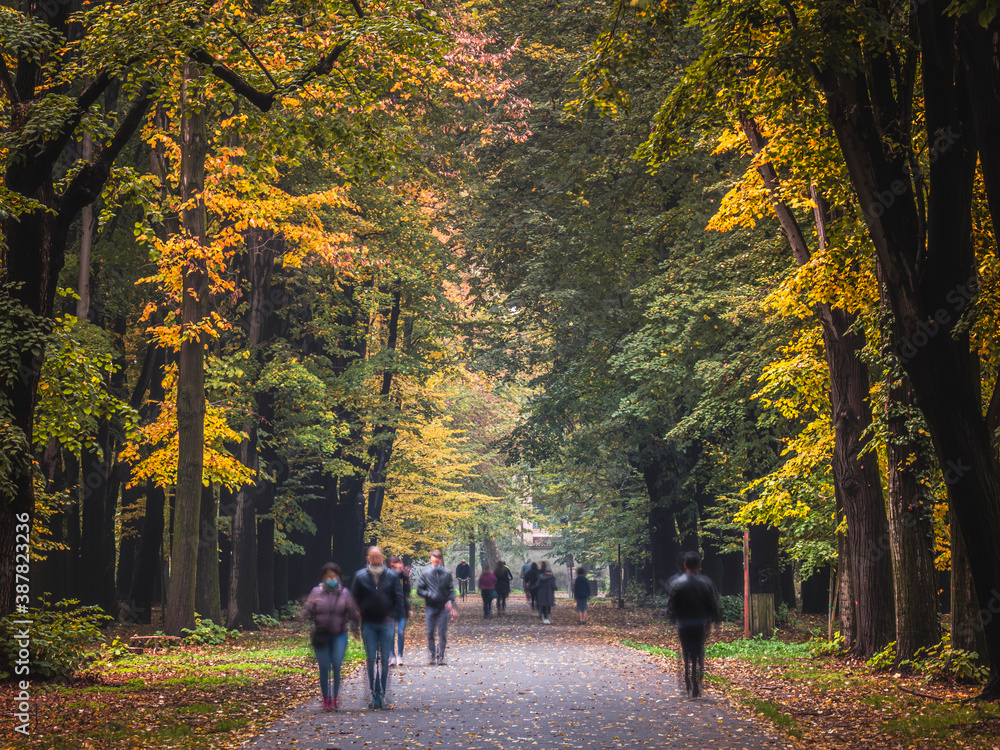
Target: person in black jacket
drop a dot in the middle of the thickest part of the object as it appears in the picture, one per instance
(581, 593)
(438, 590)
(504, 577)
(379, 595)
(403, 571)
(694, 605)
(464, 574)
(530, 581)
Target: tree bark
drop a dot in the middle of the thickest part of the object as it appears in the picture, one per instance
(191, 372)
(208, 602)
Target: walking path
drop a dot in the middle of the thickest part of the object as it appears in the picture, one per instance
(514, 683)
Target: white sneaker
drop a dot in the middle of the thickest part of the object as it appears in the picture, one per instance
(547, 621)
(392, 661)
(399, 661)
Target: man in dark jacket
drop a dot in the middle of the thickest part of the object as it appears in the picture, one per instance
(464, 574)
(438, 590)
(694, 606)
(379, 596)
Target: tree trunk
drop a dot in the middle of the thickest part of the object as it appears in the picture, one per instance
(146, 577)
(967, 631)
(191, 373)
(208, 601)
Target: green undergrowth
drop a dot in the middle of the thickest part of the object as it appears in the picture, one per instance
(206, 697)
(655, 650)
(759, 650)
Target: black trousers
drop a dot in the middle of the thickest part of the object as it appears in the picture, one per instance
(487, 602)
(692, 639)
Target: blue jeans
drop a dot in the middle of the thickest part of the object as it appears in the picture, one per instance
(437, 625)
(377, 636)
(331, 657)
(397, 650)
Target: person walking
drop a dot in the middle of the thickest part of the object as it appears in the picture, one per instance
(693, 605)
(438, 591)
(581, 593)
(545, 592)
(504, 577)
(403, 571)
(530, 585)
(464, 575)
(330, 606)
(488, 590)
(524, 583)
(379, 594)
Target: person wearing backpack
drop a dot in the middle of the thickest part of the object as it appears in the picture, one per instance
(581, 593)
(379, 594)
(330, 606)
(438, 591)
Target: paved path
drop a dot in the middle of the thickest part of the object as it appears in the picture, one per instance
(514, 683)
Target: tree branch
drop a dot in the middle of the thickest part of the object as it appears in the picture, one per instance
(90, 180)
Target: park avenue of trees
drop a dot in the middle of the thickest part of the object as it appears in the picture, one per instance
(279, 281)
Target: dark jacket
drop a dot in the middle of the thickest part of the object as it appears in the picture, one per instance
(545, 589)
(436, 586)
(378, 602)
(581, 588)
(330, 610)
(693, 599)
(404, 579)
(530, 579)
(464, 570)
(504, 577)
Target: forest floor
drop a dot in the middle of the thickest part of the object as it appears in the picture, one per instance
(819, 702)
(224, 696)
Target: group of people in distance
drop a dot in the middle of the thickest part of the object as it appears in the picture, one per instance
(377, 608)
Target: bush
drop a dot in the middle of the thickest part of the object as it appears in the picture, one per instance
(265, 621)
(117, 649)
(941, 661)
(62, 639)
(732, 608)
(290, 611)
(206, 632)
(884, 659)
(820, 646)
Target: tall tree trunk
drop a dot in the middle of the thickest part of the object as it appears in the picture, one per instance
(967, 630)
(191, 372)
(856, 477)
(146, 577)
(208, 597)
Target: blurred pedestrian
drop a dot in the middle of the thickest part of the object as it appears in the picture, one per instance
(545, 592)
(438, 590)
(693, 605)
(403, 571)
(530, 582)
(504, 577)
(464, 575)
(488, 590)
(581, 593)
(330, 606)
(379, 594)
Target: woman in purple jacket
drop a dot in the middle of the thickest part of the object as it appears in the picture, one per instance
(330, 606)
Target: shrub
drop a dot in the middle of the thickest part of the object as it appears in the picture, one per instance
(290, 611)
(941, 660)
(884, 659)
(62, 639)
(732, 608)
(265, 621)
(117, 649)
(820, 646)
(206, 632)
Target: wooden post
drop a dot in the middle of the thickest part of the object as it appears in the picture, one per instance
(746, 583)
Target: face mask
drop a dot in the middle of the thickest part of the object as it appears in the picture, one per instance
(332, 582)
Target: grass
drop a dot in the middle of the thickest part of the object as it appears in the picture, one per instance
(655, 650)
(202, 698)
(759, 650)
(773, 712)
(941, 721)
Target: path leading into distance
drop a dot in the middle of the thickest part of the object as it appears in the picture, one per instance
(514, 683)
